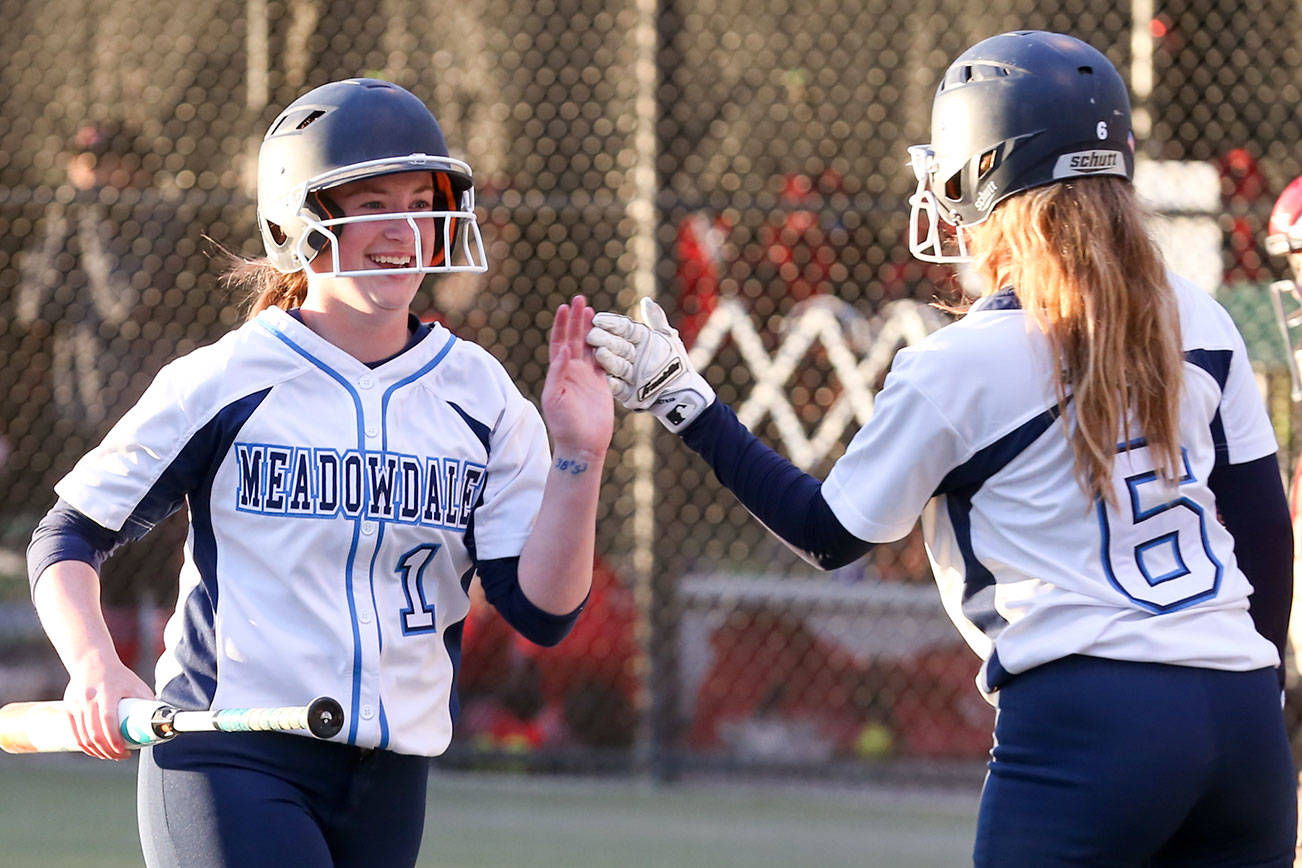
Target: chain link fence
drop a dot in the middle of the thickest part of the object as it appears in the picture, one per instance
(743, 162)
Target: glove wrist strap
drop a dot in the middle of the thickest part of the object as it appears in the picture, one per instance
(676, 410)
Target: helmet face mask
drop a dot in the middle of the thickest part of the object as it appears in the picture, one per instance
(348, 131)
(1284, 243)
(1013, 112)
(455, 249)
(932, 238)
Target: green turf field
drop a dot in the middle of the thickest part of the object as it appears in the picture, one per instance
(68, 812)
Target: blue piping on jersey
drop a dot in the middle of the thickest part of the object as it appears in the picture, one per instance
(384, 445)
(379, 632)
(959, 486)
(357, 524)
(388, 393)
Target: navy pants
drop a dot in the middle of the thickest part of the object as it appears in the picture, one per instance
(270, 799)
(1108, 763)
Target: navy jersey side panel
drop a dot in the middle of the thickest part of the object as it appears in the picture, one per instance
(191, 475)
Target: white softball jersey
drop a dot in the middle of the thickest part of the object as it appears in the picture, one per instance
(336, 513)
(966, 435)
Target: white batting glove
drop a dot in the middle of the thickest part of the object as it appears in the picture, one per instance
(647, 366)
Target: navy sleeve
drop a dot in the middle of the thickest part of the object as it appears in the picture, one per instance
(500, 579)
(66, 534)
(788, 501)
(1254, 509)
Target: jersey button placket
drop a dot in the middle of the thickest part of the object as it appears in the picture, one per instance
(371, 401)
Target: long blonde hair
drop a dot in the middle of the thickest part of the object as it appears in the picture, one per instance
(267, 286)
(1086, 271)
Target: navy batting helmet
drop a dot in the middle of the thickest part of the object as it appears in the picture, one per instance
(1016, 111)
(346, 131)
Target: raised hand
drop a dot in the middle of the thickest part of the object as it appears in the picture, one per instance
(647, 366)
(576, 402)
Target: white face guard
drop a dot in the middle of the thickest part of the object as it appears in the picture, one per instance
(926, 241)
(1282, 244)
(466, 255)
(1287, 300)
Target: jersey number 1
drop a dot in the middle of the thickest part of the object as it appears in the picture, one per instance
(418, 616)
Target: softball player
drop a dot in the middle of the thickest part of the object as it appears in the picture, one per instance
(1069, 446)
(347, 471)
(1284, 239)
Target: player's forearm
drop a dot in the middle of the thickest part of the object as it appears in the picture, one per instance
(788, 501)
(67, 599)
(556, 564)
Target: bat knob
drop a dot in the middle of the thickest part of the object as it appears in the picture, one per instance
(325, 717)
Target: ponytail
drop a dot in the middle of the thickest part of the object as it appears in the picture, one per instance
(268, 287)
(1086, 272)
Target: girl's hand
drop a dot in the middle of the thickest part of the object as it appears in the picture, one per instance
(576, 401)
(97, 684)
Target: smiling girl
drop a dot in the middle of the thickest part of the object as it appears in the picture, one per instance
(348, 470)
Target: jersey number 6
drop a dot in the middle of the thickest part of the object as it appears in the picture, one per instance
(1155, 548)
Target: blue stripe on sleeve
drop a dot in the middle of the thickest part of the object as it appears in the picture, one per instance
(788, 501)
